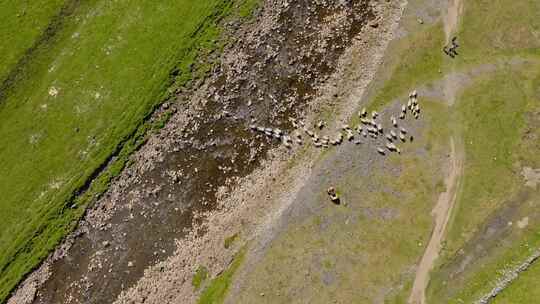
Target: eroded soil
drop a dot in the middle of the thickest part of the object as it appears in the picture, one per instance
(270, 73)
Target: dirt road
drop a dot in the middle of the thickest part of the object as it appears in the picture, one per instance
(441, 213)
(443, 209)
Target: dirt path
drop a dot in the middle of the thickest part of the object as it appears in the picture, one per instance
(452, 17)
(441, 213)
(443, 208)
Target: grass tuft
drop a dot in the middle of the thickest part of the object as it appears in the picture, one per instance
(217, 289)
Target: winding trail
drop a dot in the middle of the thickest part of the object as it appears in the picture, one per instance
(443, 209)
(441, 212)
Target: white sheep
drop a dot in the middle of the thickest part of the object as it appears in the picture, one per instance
(350, 135)
(363, 113)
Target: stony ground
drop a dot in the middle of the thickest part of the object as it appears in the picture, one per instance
(207, 187)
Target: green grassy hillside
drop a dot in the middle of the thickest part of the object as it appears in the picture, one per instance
(81, 96)
(23, 26)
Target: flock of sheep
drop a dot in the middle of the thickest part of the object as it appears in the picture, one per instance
(367, 127)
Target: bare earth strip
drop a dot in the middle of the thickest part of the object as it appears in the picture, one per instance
(443, 208)
(441, 213)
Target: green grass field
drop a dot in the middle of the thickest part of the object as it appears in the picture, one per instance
(350, 253)
(82, 96)
(23, 24)
(494, 115)
(493, 118)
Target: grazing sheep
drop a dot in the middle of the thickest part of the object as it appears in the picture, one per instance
(286, 141)
(389, 137)
(393, 134)
(364, 133)
(392, 147)
(448, 52)
(409, 104)
(253, 127)
(359, 129)
(380, 150)
(394, 121)
(345, 127)
(350, 135)
(403, 109)
(402, 130)
(374, 114)
(454, 41)
(260, 129)
(318, 144)
(309, 133)
(452, 50)
(402, 115)
(402, 137)
(363, 113)
(339, 139)
(299, 141)
(325, 139)
(413, 94)
(380, 128)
